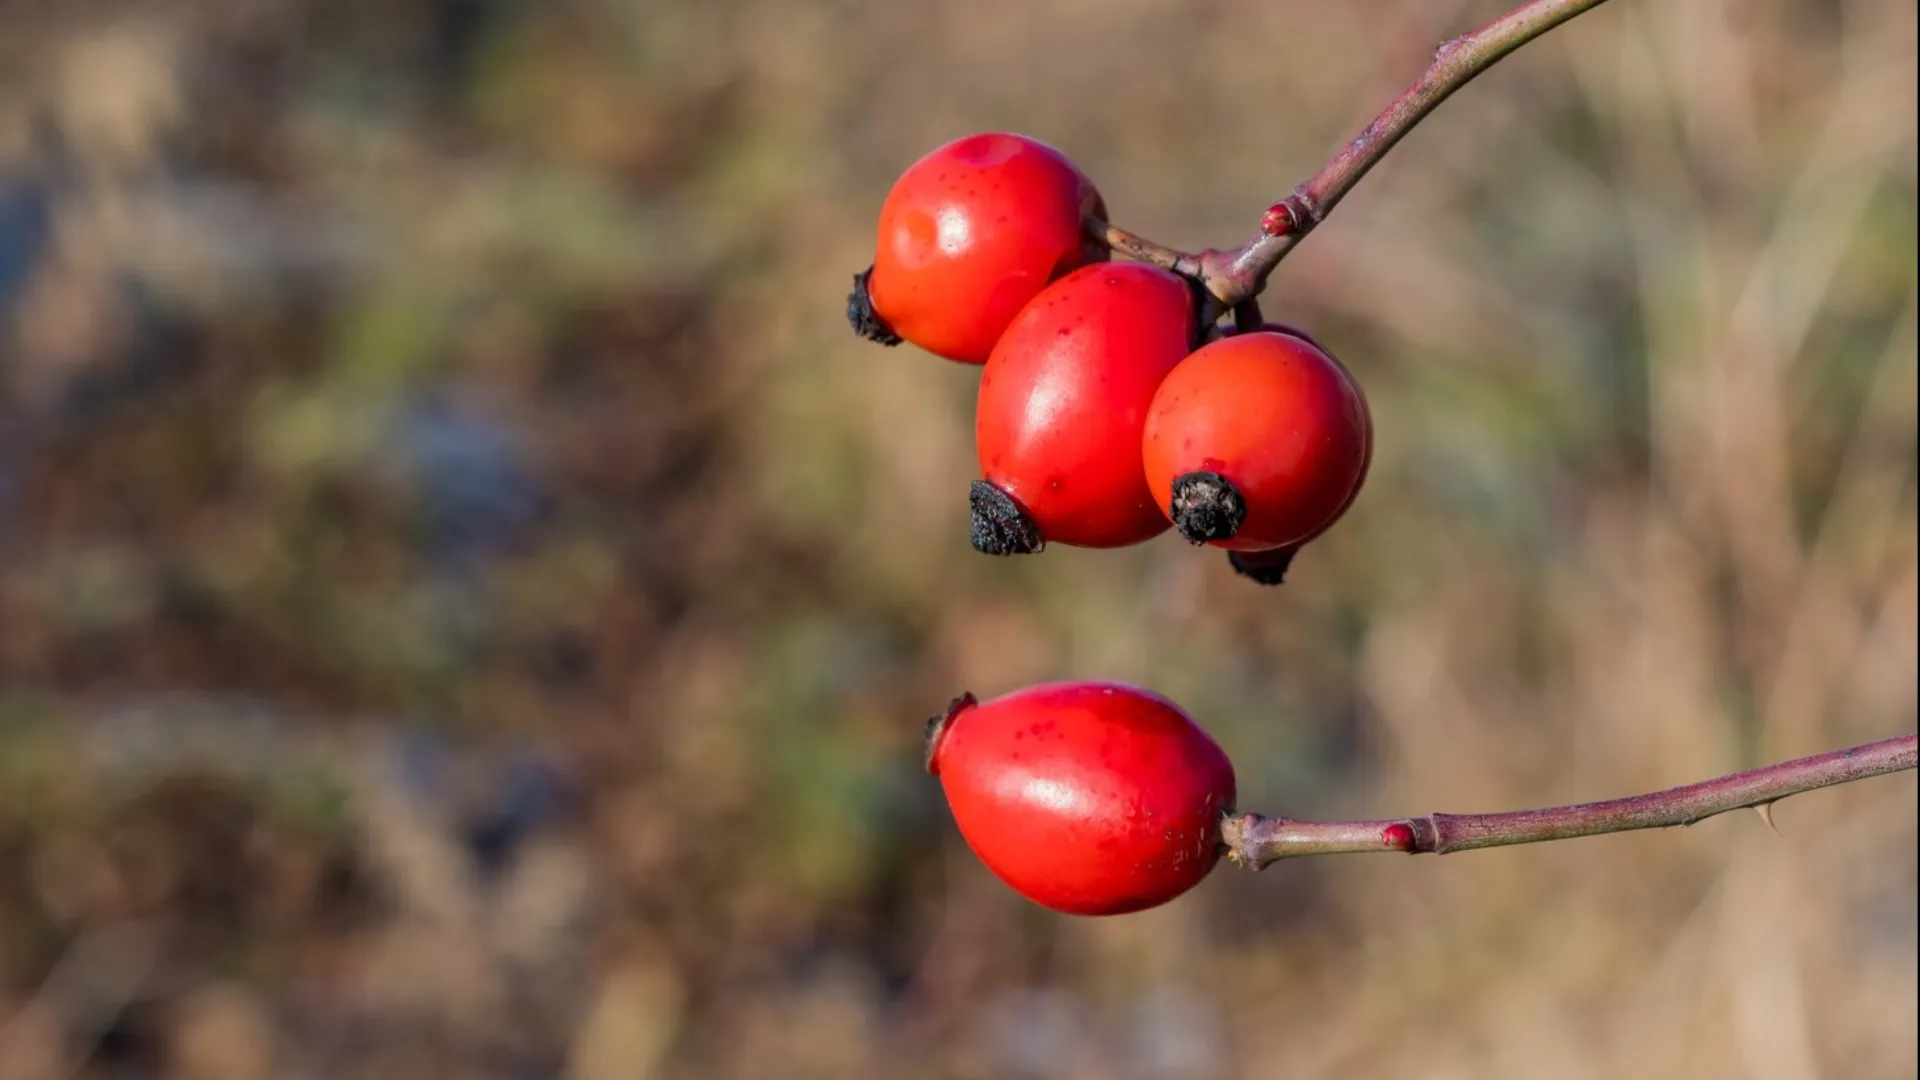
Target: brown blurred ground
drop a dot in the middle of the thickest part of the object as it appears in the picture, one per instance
(467, 604)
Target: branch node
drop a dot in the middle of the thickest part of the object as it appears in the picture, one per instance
(1236, 836)
(1456, 62)
(1306, 211)
(1426, 834)
(1295, 216)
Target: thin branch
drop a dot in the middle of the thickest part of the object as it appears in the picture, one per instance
(1235, 275)
(1141, 248)
(1255, 841)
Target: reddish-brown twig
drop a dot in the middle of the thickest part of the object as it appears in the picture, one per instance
(1236, 275)
(1139, 247)
(1255, 841)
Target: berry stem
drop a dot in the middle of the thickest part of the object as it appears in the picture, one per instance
(1238, 274)
(1247, 317)
(1254, 841)
(1141, 248)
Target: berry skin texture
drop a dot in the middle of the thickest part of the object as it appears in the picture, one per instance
(1089, 798)
(1064, 397)
(1257, 441)
(968, 235)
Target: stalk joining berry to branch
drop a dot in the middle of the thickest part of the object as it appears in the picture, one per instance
(1114, 406)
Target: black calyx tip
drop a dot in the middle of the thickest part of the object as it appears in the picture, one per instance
(1206, 506)
(937, 727)
(1263, 567)
(1000, 527)
(860, 314)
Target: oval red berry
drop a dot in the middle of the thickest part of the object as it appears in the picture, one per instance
(1064, 397)
(1089, 798)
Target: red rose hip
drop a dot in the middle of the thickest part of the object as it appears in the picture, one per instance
(1257, 441)
(1088, 798)
(1269, 566)
(968, 235)
(1061, 407)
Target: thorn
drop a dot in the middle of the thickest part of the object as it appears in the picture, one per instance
(1765, 810)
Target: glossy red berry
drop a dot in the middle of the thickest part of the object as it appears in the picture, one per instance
(1257, 441)
(1062, 402)
(968, 235)
(1089, 798)
(1270, 566)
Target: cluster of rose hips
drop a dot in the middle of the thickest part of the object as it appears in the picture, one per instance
(1111, 406)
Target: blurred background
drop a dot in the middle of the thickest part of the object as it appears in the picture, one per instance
(468, 604)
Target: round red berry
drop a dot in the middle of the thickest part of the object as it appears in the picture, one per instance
(1089, 798)
(1061, 405)
(1269, 566)
(968, 235)
(1257, 441)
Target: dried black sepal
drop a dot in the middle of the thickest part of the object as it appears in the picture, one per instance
(1263, 567)
(1000, 527)
(937, 728)
(860, 314)
(1206, 506)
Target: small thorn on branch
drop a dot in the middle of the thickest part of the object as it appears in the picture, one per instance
(1765, 810)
